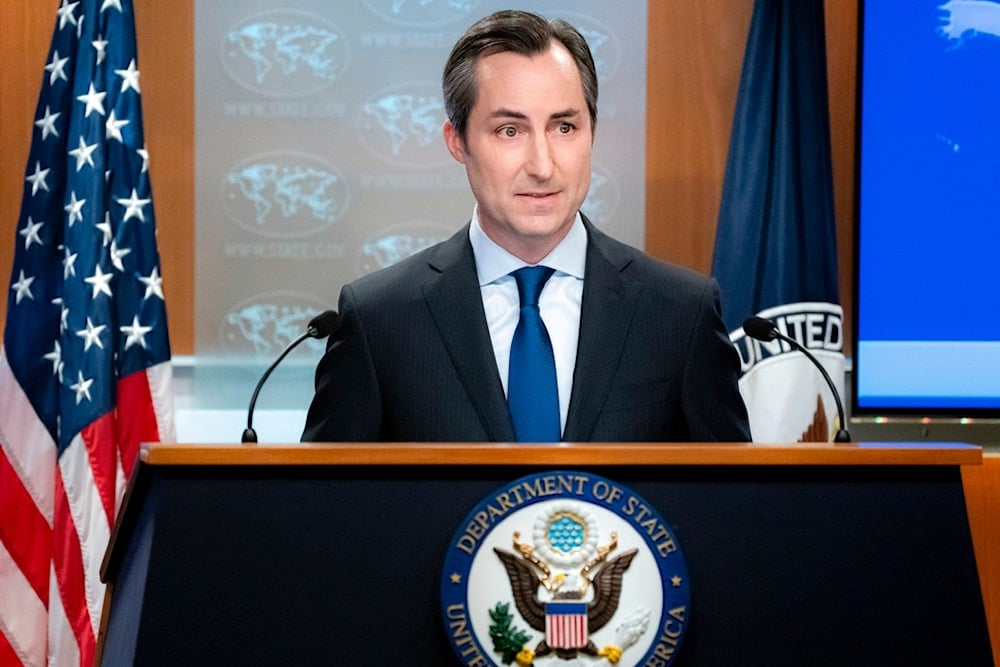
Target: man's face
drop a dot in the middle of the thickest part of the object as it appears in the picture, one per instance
(527, 149)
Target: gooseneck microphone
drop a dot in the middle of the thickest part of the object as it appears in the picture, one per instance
(323, 325)
(765, 330)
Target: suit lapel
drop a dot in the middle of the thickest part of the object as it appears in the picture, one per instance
(455, 302)
(609, 300)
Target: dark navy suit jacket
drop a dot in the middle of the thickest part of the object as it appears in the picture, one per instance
(413, 359)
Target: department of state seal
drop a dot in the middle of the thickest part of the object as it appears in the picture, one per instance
(565, 568)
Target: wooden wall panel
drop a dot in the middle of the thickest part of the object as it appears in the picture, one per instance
(165, 39)
(695, 57)
(841, 65)
(982, 496)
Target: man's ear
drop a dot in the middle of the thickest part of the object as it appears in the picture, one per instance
(454, 142)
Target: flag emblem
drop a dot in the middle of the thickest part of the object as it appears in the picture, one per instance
(566, 624)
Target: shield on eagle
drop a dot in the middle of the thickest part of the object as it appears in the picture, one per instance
(566, 624)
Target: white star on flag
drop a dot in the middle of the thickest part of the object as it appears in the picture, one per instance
(63, 315)
(68, 261)
(65, 13)
(105, 228)
(99, 281)
(113, 127)
(30, 233)
(57, 68)
(74, 209)
(94, 101)
(91, 335)
(83, 154)
(130, 77)
(48, 123)
(82, 387)
(136, 333)
(22, 288)
(117, 254)
(37, 179)
(133, 206)
(153, 283)
(55, 356)
(99, 46)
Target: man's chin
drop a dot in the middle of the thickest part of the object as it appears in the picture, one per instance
(541, 232)
(542, 224)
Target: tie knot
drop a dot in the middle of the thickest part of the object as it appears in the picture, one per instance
(530, 281)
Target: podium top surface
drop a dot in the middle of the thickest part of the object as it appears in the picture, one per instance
(618, 454)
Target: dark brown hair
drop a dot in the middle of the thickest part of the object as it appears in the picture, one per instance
(510, 30)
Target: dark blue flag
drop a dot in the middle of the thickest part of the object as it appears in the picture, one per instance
(776, 249)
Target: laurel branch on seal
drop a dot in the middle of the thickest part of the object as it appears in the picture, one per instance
(508, 640)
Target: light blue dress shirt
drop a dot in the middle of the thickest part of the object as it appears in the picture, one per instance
(559, 303)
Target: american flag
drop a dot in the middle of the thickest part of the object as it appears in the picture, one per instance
(85, 366)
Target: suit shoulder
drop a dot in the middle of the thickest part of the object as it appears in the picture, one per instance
(670, 270)
(649, 270)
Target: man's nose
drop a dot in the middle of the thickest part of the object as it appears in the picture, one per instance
(540, 163)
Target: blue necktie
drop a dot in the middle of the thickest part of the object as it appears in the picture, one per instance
(532, 391)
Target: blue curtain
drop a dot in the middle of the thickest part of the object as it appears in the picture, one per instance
(776, 237)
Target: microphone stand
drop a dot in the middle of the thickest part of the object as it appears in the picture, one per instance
(764, 329)
(250, 435)
(321, 326)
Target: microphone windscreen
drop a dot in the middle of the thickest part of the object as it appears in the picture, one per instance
(760, 328)
(324, 324)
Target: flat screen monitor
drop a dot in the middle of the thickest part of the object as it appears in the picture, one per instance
(927, 319)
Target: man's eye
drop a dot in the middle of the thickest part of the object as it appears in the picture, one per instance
(509, 131)
(565, 128)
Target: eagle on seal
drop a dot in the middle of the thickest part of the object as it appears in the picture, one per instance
(607, 584)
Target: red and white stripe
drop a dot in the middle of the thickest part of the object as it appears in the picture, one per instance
(566, 630)
(56, 520)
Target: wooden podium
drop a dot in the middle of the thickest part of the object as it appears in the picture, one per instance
(333, 554)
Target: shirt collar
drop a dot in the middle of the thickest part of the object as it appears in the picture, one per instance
(493, 262)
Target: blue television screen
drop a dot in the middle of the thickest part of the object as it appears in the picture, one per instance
(927, 320)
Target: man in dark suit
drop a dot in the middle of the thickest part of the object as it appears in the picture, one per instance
(425, 348)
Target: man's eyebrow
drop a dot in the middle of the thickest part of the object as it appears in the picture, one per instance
(507, 113)
(568, 113)
(510, 113)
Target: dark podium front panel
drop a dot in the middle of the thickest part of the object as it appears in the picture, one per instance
(324, 558)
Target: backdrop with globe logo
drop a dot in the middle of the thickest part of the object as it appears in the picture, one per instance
(319, 158)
